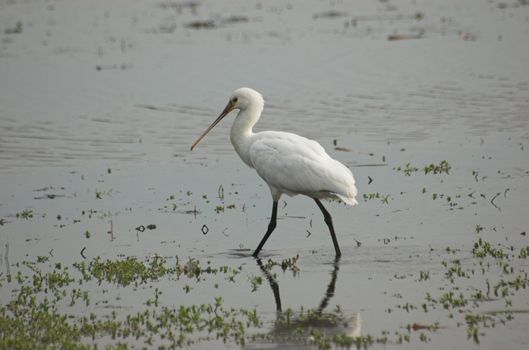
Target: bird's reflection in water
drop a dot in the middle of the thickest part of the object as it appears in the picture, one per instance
(296, 329)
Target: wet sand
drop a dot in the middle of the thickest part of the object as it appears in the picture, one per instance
(99, 105)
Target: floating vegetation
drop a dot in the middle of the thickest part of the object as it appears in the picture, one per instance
(501, 280)
(442, 167)
(313, 327)
(408, 169)
(29, 324)
(285, 264)
(256, 282)
(424, 276)
(25, 214)
(39, 314)
(123, 272)
(375, 195)
(130, 270)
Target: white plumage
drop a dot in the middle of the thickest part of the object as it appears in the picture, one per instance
(287, 162)
(293, 165)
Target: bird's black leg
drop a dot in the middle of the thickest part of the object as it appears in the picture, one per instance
(271, 227)
(328, 221)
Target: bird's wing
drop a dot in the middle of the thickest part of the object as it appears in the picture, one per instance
(293, 164)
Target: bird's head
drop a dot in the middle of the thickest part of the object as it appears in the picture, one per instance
(241, 99)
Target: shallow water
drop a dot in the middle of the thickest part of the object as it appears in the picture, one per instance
(100, 104)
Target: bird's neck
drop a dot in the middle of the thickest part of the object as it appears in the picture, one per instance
(241, 131)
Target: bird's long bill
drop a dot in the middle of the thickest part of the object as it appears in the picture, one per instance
(227, 109)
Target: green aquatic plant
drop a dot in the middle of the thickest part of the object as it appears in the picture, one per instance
(256, 282)
(424, 275)
(38, 316)
(29, 324)
(408, 169)
(375, 195)
(524, 253)
(132, 270)
(123, 272)
(483, 249)
(45, 292)
(285, 264)
(25, 214)
(442, 167)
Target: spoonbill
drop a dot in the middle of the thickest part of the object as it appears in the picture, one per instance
(287, 162)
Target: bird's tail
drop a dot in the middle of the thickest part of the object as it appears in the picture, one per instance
(348, 200)
(350, 197)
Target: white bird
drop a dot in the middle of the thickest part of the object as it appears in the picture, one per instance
(288, 163)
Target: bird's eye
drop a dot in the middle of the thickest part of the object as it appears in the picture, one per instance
(234, 100)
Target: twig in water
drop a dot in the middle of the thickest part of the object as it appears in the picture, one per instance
(111, 231)
(492, 201)
(475, 173)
